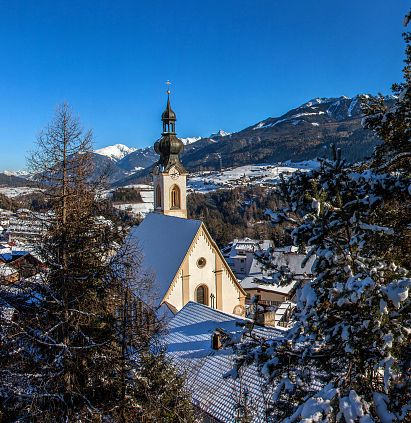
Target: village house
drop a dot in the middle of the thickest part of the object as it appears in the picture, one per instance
(8, 274)
(24, 263)
(275, 300)
(26, 227)
(261, 283)
(240, 254)
(179, 253)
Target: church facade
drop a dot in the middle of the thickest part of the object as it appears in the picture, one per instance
(179, 253)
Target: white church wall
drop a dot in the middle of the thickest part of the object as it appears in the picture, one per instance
(175, 297)
(202, 275)
(230, 293)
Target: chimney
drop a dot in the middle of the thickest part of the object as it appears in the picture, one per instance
(216, 343)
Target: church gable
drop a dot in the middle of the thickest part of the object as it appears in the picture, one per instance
(202, 263)
(205, 277)
(226, 269)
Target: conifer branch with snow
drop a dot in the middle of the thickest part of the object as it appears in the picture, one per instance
(348, 356)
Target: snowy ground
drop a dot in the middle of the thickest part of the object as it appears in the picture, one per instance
(136, 209)
(246, 175)
(16, 191)
(207, 181)
(139, 209)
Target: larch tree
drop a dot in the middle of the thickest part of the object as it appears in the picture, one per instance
(77, 336)
(348, 356)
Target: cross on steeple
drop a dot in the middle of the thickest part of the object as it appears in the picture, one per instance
(168, 83)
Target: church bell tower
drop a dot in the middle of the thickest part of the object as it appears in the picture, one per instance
(169, 175)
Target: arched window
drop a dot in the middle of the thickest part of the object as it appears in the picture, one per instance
(202, 294)
(175, 197)
(158, 196)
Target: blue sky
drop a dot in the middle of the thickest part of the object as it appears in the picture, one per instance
(232, 63)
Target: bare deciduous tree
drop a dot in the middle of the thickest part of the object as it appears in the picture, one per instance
(79, 334)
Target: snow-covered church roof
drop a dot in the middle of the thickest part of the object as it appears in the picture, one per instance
(163, 241)
(188, 342)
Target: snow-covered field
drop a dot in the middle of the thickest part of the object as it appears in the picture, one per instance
(139, 209)
(262, 175)
(16, 191)
(246, 175)
(136, 208)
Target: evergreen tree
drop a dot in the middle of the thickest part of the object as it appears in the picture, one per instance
(348, 357)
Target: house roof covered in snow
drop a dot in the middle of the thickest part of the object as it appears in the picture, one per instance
(291, 260)
(259, 278)
(10, 255)
(252, 282)
(6, 270)
(163, 242)
(294, 262)
(249, 245)
(189, 345)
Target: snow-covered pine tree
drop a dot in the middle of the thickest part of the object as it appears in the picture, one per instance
(72, 344)
(348, 357)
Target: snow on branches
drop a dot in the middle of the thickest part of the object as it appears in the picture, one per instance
(347, 355)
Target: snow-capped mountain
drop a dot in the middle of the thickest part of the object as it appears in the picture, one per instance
(116, 151)
(11, 180)
(219, 134)
(190, 140)
(303, 133)
(139, 158)
(21, 173)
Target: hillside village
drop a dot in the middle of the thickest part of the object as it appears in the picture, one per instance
(258, 274)
(195, 279)
(23, 229)
(214, 291)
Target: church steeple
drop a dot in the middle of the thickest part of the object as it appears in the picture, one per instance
(169, 118)
(169, 175)
(169, 147)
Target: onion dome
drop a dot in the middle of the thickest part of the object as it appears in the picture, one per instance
(169, 147)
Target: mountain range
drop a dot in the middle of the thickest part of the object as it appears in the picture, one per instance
(120, 161)
(303, 133)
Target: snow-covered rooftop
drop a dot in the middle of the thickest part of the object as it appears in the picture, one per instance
(294, 262)
(6, 270)
(189, 345)
(249, 245)
(252, 282)
(259, 278)
(164, 242)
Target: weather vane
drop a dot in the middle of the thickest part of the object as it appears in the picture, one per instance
(168, 83)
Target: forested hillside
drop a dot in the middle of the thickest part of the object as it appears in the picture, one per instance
(236, 213)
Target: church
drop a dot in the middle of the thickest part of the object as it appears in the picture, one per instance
(179, 253)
